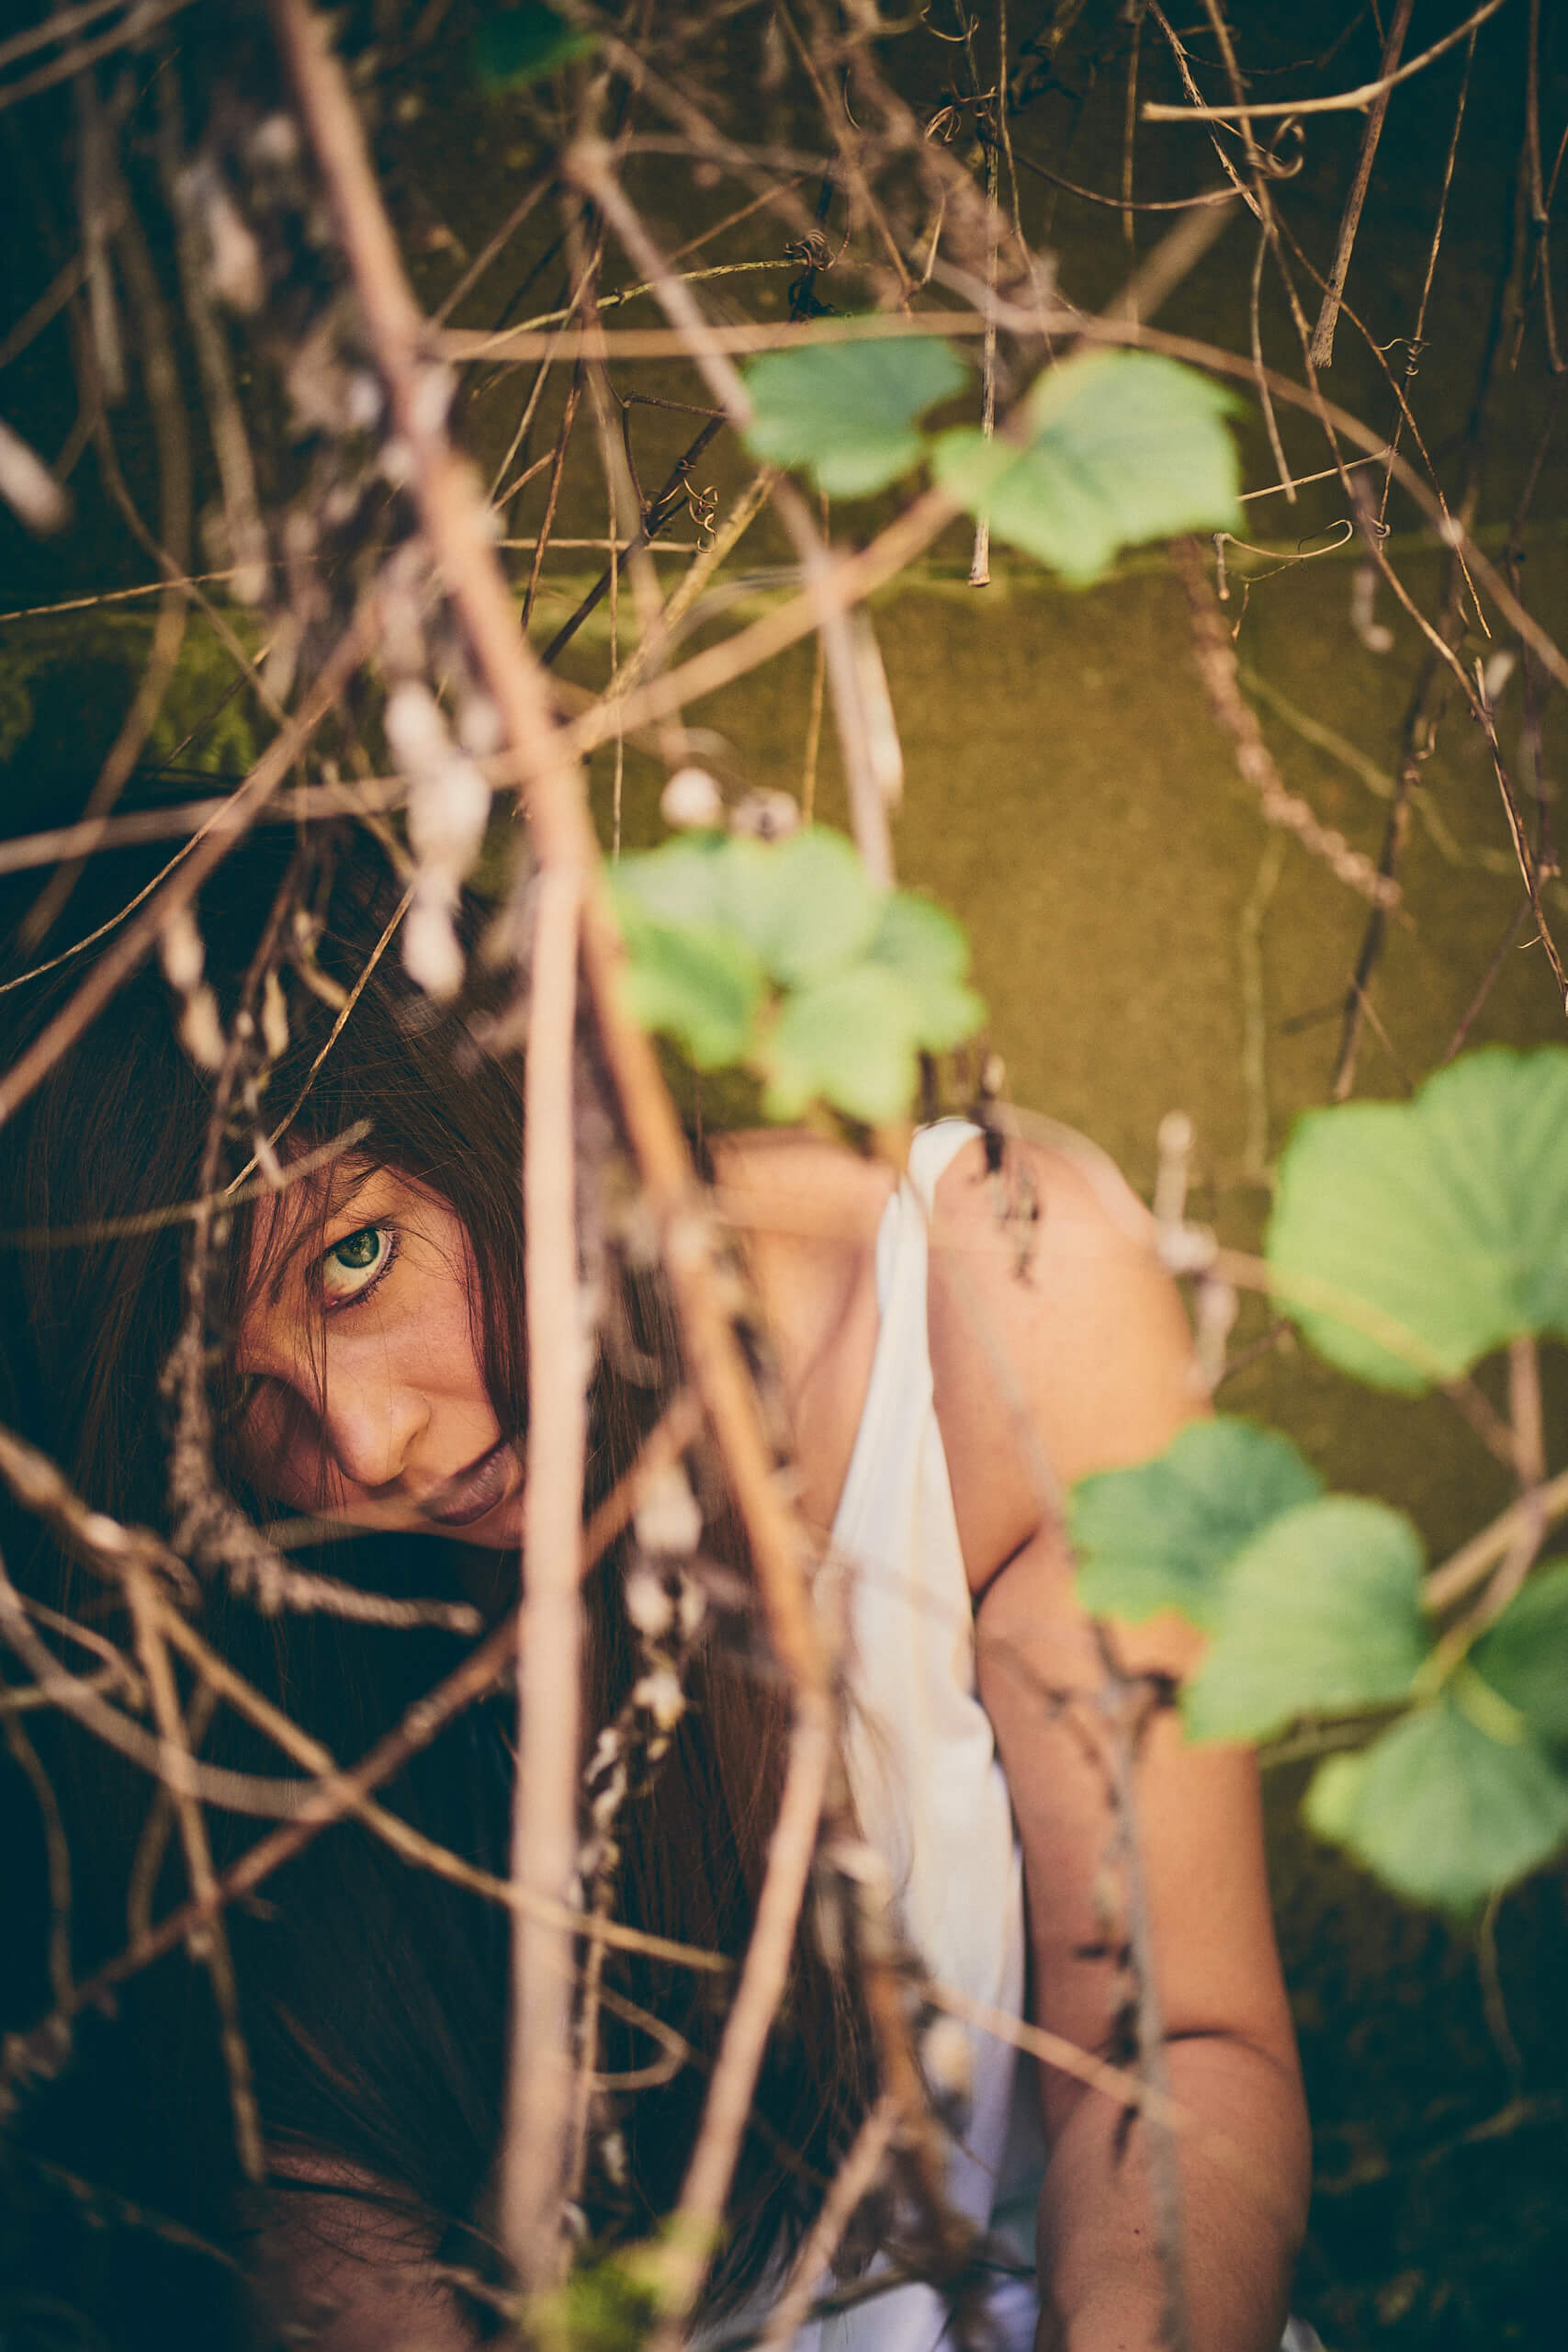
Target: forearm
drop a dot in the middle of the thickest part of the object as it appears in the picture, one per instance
(1240, 2174)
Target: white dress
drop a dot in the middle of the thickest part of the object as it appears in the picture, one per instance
(920, 1750)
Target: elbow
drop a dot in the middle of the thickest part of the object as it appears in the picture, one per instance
(1261, 2111)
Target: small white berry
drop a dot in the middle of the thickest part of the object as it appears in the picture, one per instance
(691, 798)
(669, 1518)
(947, 2058)
(659, 1693)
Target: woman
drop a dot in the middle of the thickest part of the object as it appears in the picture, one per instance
(359, 1331)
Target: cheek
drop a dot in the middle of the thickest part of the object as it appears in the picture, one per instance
(278, 1446)
(430, 1329)
(441, 1353)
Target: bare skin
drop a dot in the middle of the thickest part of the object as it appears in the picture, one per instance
(371, 1404)
(1083, 1363)
(370, 1401)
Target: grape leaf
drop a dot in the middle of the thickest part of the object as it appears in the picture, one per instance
(514, 45)
(684, 880)
(1524, 1655)
(1126, 446)
(1320, 1613)
(1439, 1811)
(846, 411)
(1164, 1533)
(848, 1040)
(805, 905)
(713, 925)
(695, 982)
(928, 950)
(1443, 1222)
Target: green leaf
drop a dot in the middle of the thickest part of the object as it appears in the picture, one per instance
(1126, 446)
(927, 949)
(608, 2305)
(518, 45)
(1524, 1655)
(684, 880)
(1442, 1222)
(1163, 1534)
(1441, 1813)
(848, 1040)
(805, 905)
(846, 411)
(695, 982)
(866, 976)
(1320, 1614)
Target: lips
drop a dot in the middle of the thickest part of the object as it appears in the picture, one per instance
(474, 1493)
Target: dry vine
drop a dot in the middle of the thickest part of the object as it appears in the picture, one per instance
(390, 631)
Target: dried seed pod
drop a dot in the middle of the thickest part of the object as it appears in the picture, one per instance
(273, 1017)
(691, 798)
(28, 486)
(947, 2059)
(668, 1518)
(766, 816)
(180, 951)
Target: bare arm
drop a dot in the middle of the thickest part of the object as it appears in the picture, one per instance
(1083, 1364)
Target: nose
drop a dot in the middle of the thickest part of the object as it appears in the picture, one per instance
(370, 1424)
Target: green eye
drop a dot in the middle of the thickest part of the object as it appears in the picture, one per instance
(357, 1251)
(352, 1266)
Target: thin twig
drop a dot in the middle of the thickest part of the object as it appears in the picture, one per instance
(691, 2241)
(545, 1834)
(139, 23)
(558, 466)
(244, 1793)
(853, 2183)
(1322, 347)
(1347, 101)
(57, 1852)
(39, 314)
(1418, 740)
(1413, 354)
(694, 580)
(1467, 1567)
(146, 1864)
(1488, 981)
(513, 345)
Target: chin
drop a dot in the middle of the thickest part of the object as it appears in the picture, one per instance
(500, 1530)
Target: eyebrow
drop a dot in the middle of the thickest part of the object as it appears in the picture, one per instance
(309, 1227)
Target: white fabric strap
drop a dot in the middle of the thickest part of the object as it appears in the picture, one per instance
(921, 1758)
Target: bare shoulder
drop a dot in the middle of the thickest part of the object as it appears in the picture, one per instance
(805, 1208)
(791, 1165)
(1059, 1342)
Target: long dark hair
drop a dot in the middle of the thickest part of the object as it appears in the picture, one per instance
(373, 1994)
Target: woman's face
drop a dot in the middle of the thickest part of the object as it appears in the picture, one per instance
(368, 1398)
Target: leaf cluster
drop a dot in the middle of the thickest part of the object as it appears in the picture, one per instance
(1409, 1240)
(780, 957)
(1109, 448)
